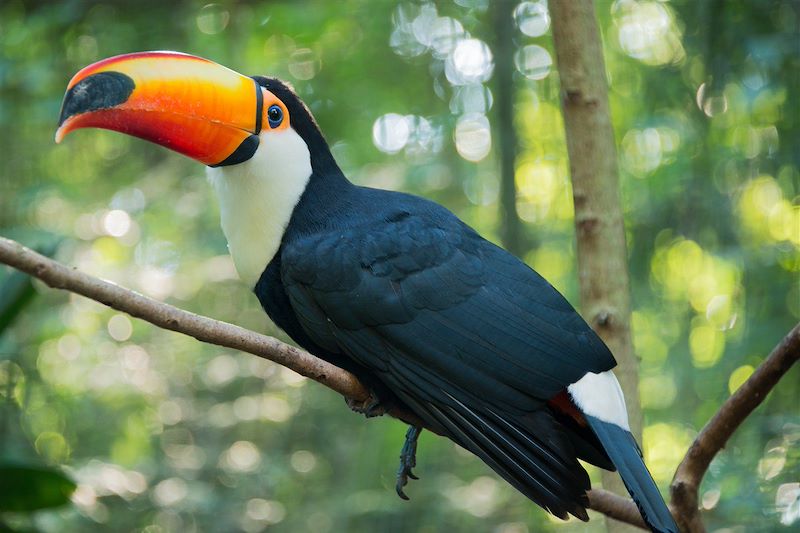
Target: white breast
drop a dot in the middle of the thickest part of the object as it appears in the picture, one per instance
(257, 197)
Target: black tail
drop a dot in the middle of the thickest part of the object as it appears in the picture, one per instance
(624, 453)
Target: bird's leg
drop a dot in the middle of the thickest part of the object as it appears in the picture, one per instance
(408, 460)
(372, 406)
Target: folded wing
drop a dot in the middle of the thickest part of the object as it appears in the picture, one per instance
(469, 337)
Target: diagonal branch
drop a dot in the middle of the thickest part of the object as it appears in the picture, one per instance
(712, 438)
(202, 328)
(165, 316)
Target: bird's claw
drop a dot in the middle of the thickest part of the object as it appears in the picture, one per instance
(408, 460)
(370, 407)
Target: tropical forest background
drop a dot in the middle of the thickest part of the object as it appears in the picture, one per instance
(161, 433)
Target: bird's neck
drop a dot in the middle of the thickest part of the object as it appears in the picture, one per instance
(326, 204)
(257, 199)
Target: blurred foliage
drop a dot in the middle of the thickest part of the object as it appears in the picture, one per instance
(26, 488)
(163, 433)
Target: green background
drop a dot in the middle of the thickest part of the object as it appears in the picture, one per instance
(162, 433)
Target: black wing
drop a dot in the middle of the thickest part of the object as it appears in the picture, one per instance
(469, 337)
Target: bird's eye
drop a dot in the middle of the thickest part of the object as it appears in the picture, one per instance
(275, 116)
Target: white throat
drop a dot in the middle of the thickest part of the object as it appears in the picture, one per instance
(257, 197)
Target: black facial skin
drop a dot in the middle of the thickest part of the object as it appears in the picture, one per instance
(242, 153)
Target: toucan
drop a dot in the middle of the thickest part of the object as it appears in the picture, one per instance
(392, 287)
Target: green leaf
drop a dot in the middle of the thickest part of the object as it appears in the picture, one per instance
(15, 293)
(30, 488)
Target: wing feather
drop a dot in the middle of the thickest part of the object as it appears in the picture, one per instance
(467, 336)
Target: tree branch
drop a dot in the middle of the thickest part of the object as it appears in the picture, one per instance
(685, 485)
(615, 506)
(204, 329)
(710, 440)
(166, 316)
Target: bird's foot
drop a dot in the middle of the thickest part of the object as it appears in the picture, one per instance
(370, 407)
(408, 460)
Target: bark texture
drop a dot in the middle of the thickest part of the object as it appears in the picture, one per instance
(602, 252)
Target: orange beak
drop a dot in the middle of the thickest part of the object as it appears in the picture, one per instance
(185, 103)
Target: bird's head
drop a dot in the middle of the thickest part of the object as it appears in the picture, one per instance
(259, 138)
(186, 103)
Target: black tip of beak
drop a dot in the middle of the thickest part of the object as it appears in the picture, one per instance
(103, 90)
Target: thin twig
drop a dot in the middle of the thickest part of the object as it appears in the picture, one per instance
(708, 443)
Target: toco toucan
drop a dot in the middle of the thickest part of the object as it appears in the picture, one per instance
(392, 287)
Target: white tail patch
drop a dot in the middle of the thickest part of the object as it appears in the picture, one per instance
(600, 396)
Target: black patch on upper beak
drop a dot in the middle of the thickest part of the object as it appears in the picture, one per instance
(103, 90)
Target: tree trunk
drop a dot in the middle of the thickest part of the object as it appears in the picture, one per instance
(602, 253)
(503, 88)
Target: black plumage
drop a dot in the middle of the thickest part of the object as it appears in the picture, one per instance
(398, 290)
(392, 287)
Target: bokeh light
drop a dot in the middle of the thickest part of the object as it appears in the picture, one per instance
(471, 62)
(163, 433)
(213, 19)
(532, 18)
(533, 62)
(473, 136)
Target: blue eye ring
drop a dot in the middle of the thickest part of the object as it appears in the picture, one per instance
(274, 116)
